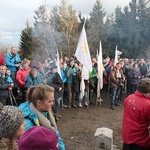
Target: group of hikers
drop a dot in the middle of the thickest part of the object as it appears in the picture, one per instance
(46, 86)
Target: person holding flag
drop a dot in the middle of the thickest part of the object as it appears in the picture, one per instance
(100, 69)
(84, 87)
(83, 56)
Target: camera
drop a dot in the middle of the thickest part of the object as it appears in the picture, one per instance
(17, 62)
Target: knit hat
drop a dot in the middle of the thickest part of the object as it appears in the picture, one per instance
(38, 138)
(11, 119)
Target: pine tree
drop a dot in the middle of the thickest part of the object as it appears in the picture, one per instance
(68, 25)
(27, 42)
(131, 29)
(96, 27)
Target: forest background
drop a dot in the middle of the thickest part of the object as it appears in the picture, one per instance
(59, 27)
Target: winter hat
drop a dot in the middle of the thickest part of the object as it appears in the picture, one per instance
(38, 138)
(11, 119)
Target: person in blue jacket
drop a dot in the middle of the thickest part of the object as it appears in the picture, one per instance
(13, 61)
(38, 109)
(33, 79)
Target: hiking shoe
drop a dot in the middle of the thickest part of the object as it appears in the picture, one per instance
(86, 104)
(80, 105)
(74, 106)
(69, 106)
(57, 119)
(117, 104)
(65, 106)
(58, 116)
(112, 107)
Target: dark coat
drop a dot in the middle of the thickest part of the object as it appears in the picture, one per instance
(76, 79)
(143, 69)
(54, 80)
(4, 85)
(134, 75)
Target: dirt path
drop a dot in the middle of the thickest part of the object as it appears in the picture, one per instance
(78, 126)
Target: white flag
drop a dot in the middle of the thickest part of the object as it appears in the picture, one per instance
(82, 52)
(100, 67)
(58, 64)
(116, 57)
(84, 76)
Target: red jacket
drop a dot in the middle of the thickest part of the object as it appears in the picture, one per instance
(2, 60)
(21, 75)
(136, 120)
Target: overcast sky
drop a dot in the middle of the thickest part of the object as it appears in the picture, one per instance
(14, 14)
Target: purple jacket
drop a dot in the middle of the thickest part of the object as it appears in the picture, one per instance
(134, 75)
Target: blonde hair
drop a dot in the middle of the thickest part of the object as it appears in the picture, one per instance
(32, 71)
(39, 92)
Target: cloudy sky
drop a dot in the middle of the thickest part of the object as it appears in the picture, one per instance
(14, 14)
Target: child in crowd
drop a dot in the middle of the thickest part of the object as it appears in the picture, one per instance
(8, 72)
(11, 127)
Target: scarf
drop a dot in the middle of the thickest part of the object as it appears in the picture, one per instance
(45, 122)
(135, 69)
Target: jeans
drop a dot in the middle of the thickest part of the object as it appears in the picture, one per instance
(69, 92)
(85, 97)
(115, 92)
(91, 95)
(57, 105)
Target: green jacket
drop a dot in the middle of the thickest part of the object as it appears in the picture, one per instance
(93, 75)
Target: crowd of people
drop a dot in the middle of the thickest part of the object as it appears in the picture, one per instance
(46, 86)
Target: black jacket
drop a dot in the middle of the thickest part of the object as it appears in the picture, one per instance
(54, 80)
(4, 85)
(143, 69)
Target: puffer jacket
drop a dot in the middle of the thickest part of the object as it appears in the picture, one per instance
(21, 75)
(4, 85)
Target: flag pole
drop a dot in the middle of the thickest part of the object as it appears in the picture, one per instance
(84, 22)
(82, 28)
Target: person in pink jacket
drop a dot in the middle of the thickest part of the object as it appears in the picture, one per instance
(20, 77)
(2, 60)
